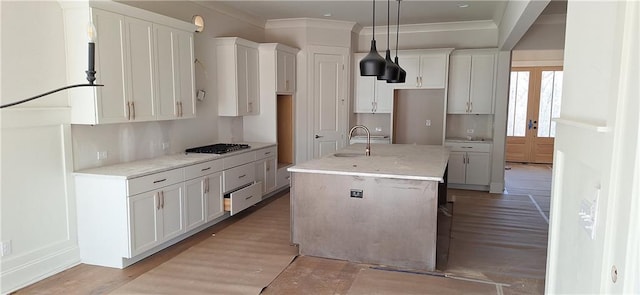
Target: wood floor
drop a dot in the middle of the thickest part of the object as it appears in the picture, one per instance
(305, 275)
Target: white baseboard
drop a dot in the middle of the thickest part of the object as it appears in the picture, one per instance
(33, 271)
(496, 187)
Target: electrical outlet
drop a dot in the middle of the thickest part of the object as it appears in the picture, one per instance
(428, 123)
(356, 193)
(166, 146)
(470, 131)
(5, 248)
(378, 129)
(102, 155)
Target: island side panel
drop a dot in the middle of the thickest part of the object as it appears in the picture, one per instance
(393, 224)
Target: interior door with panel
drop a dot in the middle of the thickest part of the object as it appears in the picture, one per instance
(329, 97)
(535, 97)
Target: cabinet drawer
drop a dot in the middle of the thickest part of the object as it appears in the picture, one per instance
(202, 169)
(469, 147)
(154, 181)
(265, 153)
(244, 198)
(238, 160)
(238, 176)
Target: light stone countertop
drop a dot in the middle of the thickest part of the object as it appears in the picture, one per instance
(140, 168)
(400, 161)
(474, 140)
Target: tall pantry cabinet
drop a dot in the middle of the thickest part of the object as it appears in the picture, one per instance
(238, 77)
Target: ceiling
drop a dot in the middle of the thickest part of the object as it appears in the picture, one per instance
(360, 11)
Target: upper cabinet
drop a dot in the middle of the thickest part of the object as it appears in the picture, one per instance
(426, 69)
(238, 77)
(471, 82)
(174, 53)
(285, 70)
(129, 62)
(371, 95)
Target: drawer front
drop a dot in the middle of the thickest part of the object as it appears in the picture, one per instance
(154, 181)
(469, 147)
(202, 169)
(238, 176)
(238, 160)
(265, 153)
(244, 198)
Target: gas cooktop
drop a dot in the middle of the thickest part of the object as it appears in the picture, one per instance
(218, 148)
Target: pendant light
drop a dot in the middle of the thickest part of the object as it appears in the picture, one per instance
(391, 70)
(402, 77)
(372, 64)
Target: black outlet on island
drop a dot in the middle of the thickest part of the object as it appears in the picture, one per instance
(356, 193)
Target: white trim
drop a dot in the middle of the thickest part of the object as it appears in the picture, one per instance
(538, 63)
(232, 12)
(311, 23)
(597, 127)
(437, 27)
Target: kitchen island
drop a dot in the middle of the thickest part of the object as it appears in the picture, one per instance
(378, 209)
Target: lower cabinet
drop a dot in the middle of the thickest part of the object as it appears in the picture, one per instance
(266, 173)
(155, 217)
(469, 164)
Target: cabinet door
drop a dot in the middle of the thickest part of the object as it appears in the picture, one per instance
(172, 211)
(195, 202)
(285, 72)
(253, 82)
(143, 222)
(261, 173)
(433, 71)
(482, 81)
(411, 65)
(478, 165)
(456, 167)
(167, 101)
(242, 79)
(214, 197)
(270, 170)
(365, 94)
(459, 83)
(384, 97)
(185, 78)
(141, 63)
(110, 67)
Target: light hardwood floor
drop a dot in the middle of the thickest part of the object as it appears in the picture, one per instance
(305, 275)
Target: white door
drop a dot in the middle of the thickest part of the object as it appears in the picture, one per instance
(171, 208)
(478, 165)
(214, 198)
(456, 172)
(481, 85)
(141, 62)
(186, 91)
(433, 69)
(143, 222)
(194, 202)
(459, 83)
(411, 65)
(167, 107)
(329, 95)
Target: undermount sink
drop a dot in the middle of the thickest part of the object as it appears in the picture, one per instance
(348, 155)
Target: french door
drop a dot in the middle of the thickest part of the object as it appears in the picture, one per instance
(535, 94)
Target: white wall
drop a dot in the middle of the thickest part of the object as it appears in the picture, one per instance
(37, 201)
(597, 153)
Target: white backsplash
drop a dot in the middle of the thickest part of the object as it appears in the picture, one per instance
(458, 125)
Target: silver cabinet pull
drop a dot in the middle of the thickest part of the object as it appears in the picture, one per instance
(162, 194)
(133, 107)
(157, 197)
(470, 107)
(242, 176)
(249, 197)
(159, 181)
(177, 109)
(205, 169)
(128, 110)
(181, 110)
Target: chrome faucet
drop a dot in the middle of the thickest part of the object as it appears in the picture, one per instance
(367, 150)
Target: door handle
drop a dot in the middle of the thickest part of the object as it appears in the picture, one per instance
(530, 125)
(318, 136)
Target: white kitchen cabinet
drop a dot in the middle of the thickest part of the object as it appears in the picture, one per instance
(426, 69)
(266, 173)
(203, 200)
(285, 71)
(126, 62)
(155, 217)
(176, 94)
(469, 163)
(213, 196)
(238, 77)
(372, 95)
(195, 194)
(471, 82)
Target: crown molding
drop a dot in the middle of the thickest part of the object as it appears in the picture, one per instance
(438, 27)
(232, 12)
(312, 23)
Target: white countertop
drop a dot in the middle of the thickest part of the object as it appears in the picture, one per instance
(473, 140)
(164, 163)
(401, 161)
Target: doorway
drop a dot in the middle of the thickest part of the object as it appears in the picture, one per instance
(535, 96)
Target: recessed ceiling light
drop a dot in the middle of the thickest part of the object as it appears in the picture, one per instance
(328, 14)
(463, 5)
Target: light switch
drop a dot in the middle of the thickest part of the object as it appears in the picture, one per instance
(428, 123)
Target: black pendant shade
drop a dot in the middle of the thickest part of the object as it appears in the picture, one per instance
(372, 64)
(402, 74)
(391, 70)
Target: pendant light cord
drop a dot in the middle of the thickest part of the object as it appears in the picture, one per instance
(374, 20)
(398, 28)
(388, 8)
